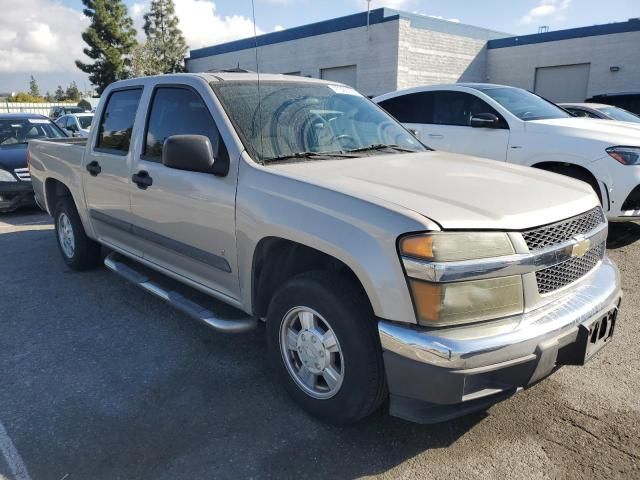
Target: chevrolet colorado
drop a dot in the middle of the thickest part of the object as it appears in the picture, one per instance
(382, 269)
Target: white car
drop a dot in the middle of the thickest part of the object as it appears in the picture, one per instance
(600, 110)
(516, 126)
(76, 124)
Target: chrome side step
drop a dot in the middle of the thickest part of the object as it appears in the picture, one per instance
(212, 312)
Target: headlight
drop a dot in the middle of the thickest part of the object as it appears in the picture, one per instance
(6, 176)
(440, 304)
(450, 247)
(625, 155)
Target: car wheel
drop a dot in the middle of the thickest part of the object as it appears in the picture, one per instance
(78, 250)
(323, 342)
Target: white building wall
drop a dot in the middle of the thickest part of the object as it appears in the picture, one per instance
(374, 52)
(428, 57)
(516, 66)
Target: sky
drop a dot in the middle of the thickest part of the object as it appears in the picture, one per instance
(42, 37)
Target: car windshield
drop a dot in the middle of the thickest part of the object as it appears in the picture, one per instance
(21, 130)
(296, 120)
(619, 114)
(525, 105)
(85, 121)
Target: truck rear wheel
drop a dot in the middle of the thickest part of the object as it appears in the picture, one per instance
(78, 251)
(324, 345)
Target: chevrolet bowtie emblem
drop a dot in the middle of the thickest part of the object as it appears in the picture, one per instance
(581, 246)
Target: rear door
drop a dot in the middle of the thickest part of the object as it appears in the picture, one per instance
(107, 166)
(450, 129)
(413, 110)
(185, 221)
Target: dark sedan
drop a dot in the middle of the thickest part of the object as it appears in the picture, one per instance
(16, 129)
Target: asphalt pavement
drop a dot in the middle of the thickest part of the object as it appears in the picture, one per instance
(100, 380)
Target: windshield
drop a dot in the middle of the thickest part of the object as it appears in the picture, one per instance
(309, 118)
(525, 105)
(619, 114)
(85, 121)
(21, 130)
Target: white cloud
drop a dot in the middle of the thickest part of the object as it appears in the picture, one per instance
(546, 9)
(395, 4)
(40, 36)
(200, 23)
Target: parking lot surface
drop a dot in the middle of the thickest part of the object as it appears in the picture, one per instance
(100, 380)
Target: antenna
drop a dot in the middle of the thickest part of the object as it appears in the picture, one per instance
(255, 41)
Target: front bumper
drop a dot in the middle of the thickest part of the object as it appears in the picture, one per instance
(14, 195)
(438, 374)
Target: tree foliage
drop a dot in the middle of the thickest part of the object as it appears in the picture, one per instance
(72, 92)
(142, 61)
(33, 87)
(111, 38)
(59, 94)
(24, 97)
(165, 42)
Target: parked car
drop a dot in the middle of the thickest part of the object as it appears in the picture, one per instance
(516, 126)
(76, 124)
(16, 130)
(628, 100)
(379, 266)
(600, 110)
(56, 112)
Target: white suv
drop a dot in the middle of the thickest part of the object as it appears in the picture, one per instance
(517, 126)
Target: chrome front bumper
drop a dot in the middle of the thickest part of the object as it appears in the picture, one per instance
(475, 363)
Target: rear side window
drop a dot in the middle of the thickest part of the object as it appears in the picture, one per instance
(411, 108)
(117, 121)
(180, 111)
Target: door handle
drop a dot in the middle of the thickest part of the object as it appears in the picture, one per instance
(94, 168)
(435, 135)
(142, 179)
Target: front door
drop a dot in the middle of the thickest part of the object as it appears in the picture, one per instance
(106, 170)
(185, 221)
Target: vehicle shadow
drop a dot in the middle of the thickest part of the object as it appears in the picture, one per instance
(622, 234)
(25, 216)
(123, 386)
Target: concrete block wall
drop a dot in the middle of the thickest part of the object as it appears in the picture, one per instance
(429, 57)
(517, 65)
(373, 51)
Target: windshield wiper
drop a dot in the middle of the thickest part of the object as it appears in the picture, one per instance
(381, 146)
(307, 155)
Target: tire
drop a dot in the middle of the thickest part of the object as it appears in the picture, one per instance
(578, 174)
(78, 251)
(335, 302)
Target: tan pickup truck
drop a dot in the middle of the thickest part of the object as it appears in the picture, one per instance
(381, 268)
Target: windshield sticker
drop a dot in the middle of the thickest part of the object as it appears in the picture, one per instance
(38, 120)
(344, 90)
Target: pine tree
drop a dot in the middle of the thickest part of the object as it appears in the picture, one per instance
(73, 93)
(164, 37)
(59, 95)
(48, 97)
(33, 87)
(110, 37)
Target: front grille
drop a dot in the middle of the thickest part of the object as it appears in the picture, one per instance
(555, 233)
(558, 276)
(23, 174)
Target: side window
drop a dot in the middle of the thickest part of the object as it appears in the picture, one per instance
(411, 108)
(181, 111)
(457, 108)
(71, 122)
(117, 121)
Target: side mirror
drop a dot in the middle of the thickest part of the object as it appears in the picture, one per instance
(484, 120)
(72, 128)
(188, 152)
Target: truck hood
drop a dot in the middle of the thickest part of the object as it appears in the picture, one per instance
(13, 156)
(608, 131)
(456, 191)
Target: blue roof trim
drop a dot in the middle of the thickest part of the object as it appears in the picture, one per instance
(379, 15)
(581, 32)
(328, 26)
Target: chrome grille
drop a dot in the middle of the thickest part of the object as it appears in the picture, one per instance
(555, 233)
(558, 276)
(23, 174)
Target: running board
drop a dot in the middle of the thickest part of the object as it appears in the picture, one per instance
(214, 313)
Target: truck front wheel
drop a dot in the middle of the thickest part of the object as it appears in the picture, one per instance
(78, 251)
(324, 344)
